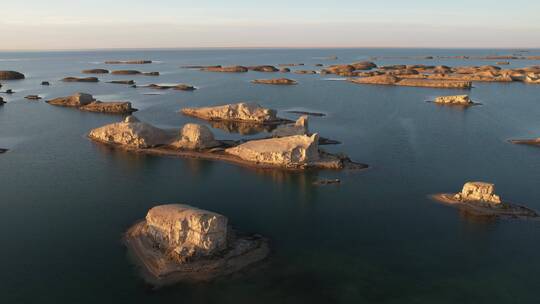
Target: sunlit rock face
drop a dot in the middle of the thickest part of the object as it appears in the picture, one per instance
(130, 133)
(478, 191)
(290, 151)
(248, 112)
(195, 137)
(300, 127)
(187, 231)
(75, 100)
(455, 99)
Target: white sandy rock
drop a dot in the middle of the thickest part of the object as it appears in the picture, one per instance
(195, 136)
(249, 112)
(478, 191)
(187, 231)
(130, 133)
(300, 127)
(455, 99)
(290, 151)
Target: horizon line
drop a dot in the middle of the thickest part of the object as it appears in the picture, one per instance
(265, 47)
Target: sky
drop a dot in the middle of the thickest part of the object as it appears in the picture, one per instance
(107, 24)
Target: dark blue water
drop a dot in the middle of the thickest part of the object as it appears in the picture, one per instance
(376, 238)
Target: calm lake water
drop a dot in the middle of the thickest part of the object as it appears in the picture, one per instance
(376, 238)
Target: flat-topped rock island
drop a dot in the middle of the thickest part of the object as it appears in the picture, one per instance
(179, 243)
(479, 198)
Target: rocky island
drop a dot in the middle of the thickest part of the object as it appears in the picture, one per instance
(179, 87)
(80, 79)
(95, 71)
(128, 62)
(454, 100)
(298, 152)
(275, 81)
(86, 102)
(479, 198)
(179, 243)
(399, 81)
(228, 69)
(239, 112)
(11, 75)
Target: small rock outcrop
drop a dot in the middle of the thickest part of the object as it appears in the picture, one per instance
(228, 69)
(263, 68)
(305, 72)
(479, 199)
(128, 82)
(86, 102)
(32, 97)
(463, 100)
(182, 243)
(75, 100)
(242, 112)
(80, 79)
(180, 87)
(11, 75)
(275, 81)
(95, 71)
(2, 102)
(291, 151)
(478, 191)
(45, 83)
(131, 133)
(195, 137)
(300, 127)
(126, 72)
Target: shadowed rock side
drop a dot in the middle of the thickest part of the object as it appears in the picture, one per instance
(244, 128)
(275, 81)
(2, 150)
(300, 127)
(298, 152)
(128, 62)
(86, 102)
(241, 112)
(397, 81)
(479, 198)
(11, 75)
(80, 79)
(179, 243)
(95, 71)
(45, 83)
(2, 102)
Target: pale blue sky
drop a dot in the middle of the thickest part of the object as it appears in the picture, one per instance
(71, 24)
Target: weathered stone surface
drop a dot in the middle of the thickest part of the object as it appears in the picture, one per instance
(300, 127)
(96, 71)
(80, 79)
(11, 75)
(182, 243)
(128, 62)
(454, 100)
(478, 191)
(131, 133)
(75, 100)
(275, 81)
(291, 151)
(229, 69)
(115, 107)
(195, 136)
(248, 112)
(187, 231)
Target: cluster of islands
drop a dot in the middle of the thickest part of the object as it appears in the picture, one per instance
(177, 242)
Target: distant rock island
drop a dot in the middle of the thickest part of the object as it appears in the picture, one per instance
(180, 243)
(239, 112)
(479, 198)
(80, 79)
(11, 75)
(86, 102)
(128, 62)
(454, 100)
(275, 81)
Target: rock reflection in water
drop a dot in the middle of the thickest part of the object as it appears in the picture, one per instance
(242, 127)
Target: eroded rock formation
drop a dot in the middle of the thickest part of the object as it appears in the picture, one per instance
(195, 137)
(478, 191)
(131, 133)
(243, 112)
(181, 243)
(463, 100)
(86, 102)
(275, 81)
(300, 127)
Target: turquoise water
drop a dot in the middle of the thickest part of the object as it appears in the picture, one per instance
(376, 238)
